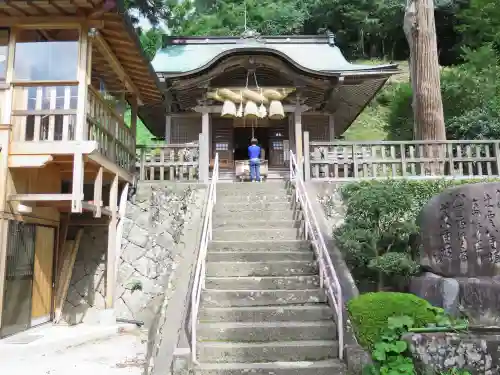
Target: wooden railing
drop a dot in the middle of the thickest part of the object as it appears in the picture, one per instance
(168, 162)
(108, 128)
(347, 161)
(44, 113)
(48, 113)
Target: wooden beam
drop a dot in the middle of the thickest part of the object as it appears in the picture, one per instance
(39, 197)
(111, 167)
(81, 115)
(53, 147)
(29, 161)
(77, 186)
(64, 278)
(111, 254)
(98, 193)
(117, 67)
(55, 22)
(218, 108)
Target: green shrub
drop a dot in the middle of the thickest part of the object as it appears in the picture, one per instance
(369, 313)
(377, 237)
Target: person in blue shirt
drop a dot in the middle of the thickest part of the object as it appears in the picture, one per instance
(254, 156)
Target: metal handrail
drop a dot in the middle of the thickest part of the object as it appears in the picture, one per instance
(199, 276)
(328, 276)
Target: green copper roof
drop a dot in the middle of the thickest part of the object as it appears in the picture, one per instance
(315, 54)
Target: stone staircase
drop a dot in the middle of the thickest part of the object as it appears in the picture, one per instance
(262, 311)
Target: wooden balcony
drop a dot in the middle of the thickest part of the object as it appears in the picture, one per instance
(45, 130)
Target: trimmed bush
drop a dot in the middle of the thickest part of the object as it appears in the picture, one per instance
(369, 313)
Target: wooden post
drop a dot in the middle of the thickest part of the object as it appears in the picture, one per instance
(168, 129)
(298, 136)
(98, 193)
(331, 127)
(82, 86)
(77, 184)
(420, 30)
(204, 157)
(133, 118)
(5, 135)
(307, 153)
(111, 255)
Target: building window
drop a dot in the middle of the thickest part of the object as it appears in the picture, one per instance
(221, 147)
(46, 55)
(4, 50)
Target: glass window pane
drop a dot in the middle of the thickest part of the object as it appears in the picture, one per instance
(4, 49)
(46, 55)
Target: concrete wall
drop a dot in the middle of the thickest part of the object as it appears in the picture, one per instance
(329, 212)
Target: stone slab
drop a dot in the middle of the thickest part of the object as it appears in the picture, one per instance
(297, 313)
(245, 223)
(251, 206)
(256, 234)
(227, 298)
(327, 367)
(267, 331)
(302, 350)
(261, 256)
(259, 246)
(276, 268)
(263, 283)
(272, 215)
(460, 230)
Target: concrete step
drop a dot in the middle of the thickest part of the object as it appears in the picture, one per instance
(298, 313)
(252, 224)
(277, 268)
(252, 234)
(230, 298)
(252, 186)
(272, 215)
(262, 256)
(263, 283)
(259, 246)
(327, 367)
(303, 350)
(267, 331)
(223, 207)
(274, 196)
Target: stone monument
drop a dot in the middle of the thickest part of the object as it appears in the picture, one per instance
(460, 250)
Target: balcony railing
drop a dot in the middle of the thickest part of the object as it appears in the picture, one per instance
(347, 161)
(48, 113)
(168, 162)
(108, 128)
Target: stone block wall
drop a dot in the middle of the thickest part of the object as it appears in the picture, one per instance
(87, 287)
(153, 233)
(435, 352)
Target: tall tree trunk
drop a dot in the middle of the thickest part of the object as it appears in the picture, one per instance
(420, 31)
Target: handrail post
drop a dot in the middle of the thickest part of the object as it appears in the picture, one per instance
(142, 168)
(307, 165)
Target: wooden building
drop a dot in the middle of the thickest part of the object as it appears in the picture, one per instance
(324, 94)
(68, 71)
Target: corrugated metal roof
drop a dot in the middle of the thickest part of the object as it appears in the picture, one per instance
(183, 58)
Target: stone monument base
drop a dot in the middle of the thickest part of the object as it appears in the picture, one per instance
(477, 297)
(434, 352)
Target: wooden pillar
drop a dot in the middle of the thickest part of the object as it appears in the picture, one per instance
(111, 255)
(134, 109)
(204, 149)
(298, 136)
(81, 120)
(5, 135)
(168, 128)
(307, 153)
(331, 127)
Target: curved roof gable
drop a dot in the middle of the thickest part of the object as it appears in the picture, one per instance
(318, 54)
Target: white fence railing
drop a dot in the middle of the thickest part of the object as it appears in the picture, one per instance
(350, 161)
(199, 276)
(328, 276)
